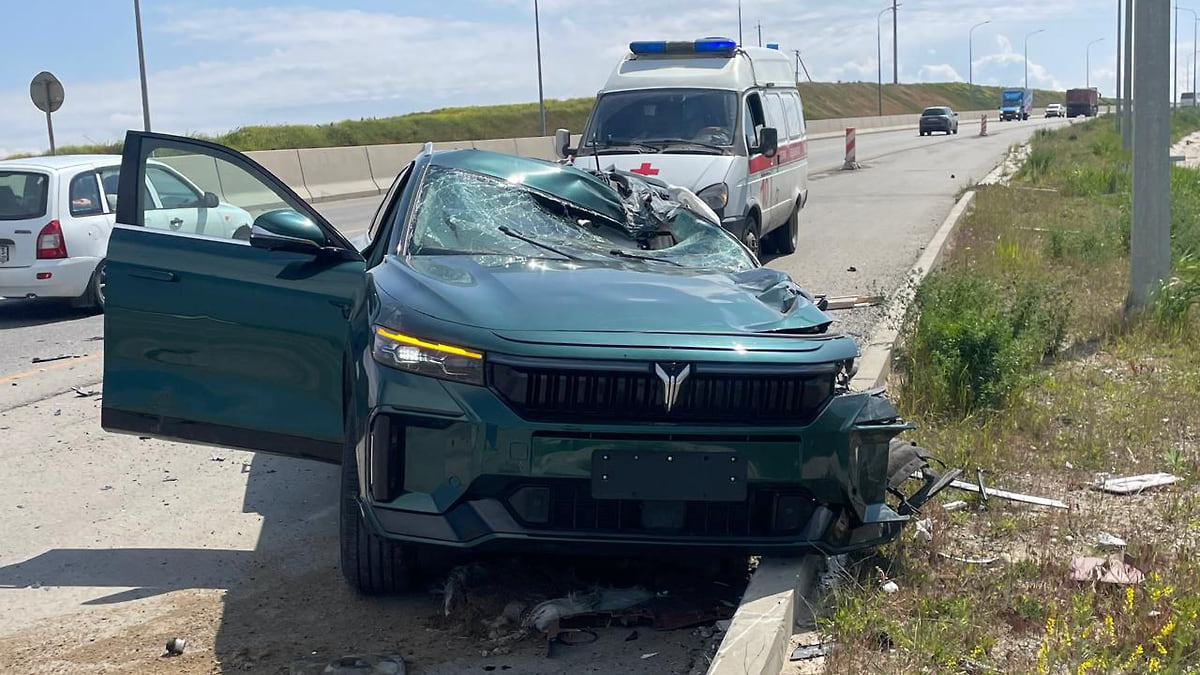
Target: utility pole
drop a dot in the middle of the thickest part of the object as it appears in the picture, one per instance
(971, 52)
(759, 33)
(1187, 74)
(1150, 232)
(1117, 87)
(800, 64)
(879, 56)
(537, 30)
(1040, 30)
(1087, 63)
(739, 23)
(895, 33)
(1127, 124)
(137, 19)
(1175, 60)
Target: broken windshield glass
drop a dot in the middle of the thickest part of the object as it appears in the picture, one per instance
(461, 212)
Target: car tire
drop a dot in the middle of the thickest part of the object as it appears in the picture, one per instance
(782, 241)
(372, 564)
(93, 297)
(752, 236)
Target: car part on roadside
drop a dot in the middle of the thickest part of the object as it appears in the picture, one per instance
(1135, 484)
(175, 646)
(1010, 496)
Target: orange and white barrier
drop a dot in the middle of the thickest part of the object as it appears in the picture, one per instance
(851, 156)
(983, 124)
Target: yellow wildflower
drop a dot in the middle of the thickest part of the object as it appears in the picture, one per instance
(1049, 626)
(1129, 598)
(1133, 657)
(1110, 629)
(1043, 657)
(1167, 628)
(1154, 665)
(1085, 667)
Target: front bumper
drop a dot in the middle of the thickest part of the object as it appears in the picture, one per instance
(452, 465)
(69, 278)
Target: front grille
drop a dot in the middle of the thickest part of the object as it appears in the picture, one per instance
(572, 508)
(549, 394)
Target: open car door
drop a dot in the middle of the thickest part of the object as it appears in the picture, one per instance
(212, 338)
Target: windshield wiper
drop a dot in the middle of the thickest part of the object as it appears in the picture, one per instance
(664, 142)
(623, 254)
(530, 240)
(618, 145)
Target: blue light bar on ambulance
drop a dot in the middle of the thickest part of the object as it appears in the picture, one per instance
(772, 45)
(713, 46)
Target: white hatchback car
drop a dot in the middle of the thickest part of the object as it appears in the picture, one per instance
(56, 214)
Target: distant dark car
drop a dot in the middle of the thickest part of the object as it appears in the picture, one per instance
(939, 118)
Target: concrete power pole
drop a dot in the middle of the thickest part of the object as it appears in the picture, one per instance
(895, 62)
(1117, 88)
(1127, 123)
(1150, 235)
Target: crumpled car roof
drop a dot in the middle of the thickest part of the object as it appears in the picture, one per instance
(557, 180)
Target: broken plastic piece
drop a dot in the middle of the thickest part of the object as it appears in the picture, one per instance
(806, 652)
(1111, 570)
(1011, 496)
(969, 561)
(1135, 484)
(175, 646)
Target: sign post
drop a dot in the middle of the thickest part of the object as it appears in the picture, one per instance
(47, 94)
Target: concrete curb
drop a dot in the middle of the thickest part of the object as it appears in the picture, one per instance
(761, 629)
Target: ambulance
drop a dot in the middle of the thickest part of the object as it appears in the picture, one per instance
(721, 120)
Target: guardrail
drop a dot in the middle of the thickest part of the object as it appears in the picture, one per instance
(323, 174)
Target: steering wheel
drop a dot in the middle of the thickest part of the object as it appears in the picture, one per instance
(715, 135)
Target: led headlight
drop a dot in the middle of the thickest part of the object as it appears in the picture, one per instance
(423, 357)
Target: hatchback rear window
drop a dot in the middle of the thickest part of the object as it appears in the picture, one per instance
(22, 195)
(934, 112)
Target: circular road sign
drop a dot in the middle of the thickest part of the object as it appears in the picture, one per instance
(46, 92)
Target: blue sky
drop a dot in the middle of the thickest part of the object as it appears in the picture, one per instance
(219, 64)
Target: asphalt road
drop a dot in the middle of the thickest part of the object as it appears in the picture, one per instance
(110, 545)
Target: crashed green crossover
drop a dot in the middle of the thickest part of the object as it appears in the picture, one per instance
(515, 354)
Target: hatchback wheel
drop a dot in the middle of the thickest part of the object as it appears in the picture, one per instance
(373, 565)
(94, 295)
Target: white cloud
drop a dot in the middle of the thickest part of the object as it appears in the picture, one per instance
(942, 72)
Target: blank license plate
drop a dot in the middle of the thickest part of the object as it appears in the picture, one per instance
(671, 476)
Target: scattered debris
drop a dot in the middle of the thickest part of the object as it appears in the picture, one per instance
(807, 652)
(85, 393)
(956, 505)
(1129, 485)
(58, 412)
(1112, 541)
(48, 359)
(355, 664)
(969, 561)
(890, 587)
(649, 656)
(601, 600)
(175, 646)
(924, 530)
(632, 636)
(216, 458)
(169, 479)
(1011, 496)
(1110, 570)
(723, 625)
(853, 302)
(105, 488)
(852, 268)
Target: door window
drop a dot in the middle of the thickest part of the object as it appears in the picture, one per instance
(795, 117)
(775, 116)
(22, 195)
(172, 191)
(84, 195)
(753, 120)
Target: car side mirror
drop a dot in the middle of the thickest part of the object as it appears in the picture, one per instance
(210, 200)
(768, 141)
(956, 114)
(562, 143)
(286, 230)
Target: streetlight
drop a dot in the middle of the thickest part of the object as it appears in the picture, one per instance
(1040, 30)
(1087, 67)
(971, 52)
(137, 19)
(879, 53)
(537, 31)
(1195, 17)
(1194, 54)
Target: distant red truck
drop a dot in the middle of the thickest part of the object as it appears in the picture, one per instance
(1084, 102)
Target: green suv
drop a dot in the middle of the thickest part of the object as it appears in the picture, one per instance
(518, 354)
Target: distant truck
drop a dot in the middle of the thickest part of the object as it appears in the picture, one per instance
(1016, 104)
(1084, 102)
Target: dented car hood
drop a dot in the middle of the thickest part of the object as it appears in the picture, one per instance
(582, 296)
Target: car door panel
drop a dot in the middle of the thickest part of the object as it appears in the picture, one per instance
(209, 339)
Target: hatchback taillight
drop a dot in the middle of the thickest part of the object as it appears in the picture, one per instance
(50, 242)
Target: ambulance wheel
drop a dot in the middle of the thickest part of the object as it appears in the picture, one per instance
(783, 239)
(752, 236)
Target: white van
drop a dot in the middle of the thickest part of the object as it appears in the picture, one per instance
(724, 121)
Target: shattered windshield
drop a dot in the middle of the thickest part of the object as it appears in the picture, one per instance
(461, 212)
(666, 119)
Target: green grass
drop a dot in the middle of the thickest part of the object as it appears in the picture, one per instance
(1019, 360)
(821, 100)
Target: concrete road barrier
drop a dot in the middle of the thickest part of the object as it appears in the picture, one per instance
(337, 173)
(200, 169)
(285, 164)
(386, 161)
(538, 147)
(505, 145)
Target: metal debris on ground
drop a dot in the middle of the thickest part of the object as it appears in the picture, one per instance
(853, 302)
(603, 600)
(807, 652)
(216, 458)
(48, 359)
(969, 561)
(649, 656)
(1106, 540)
(924, 529)
(175, 646)
(956, 505)
(1110, 570)
(852, 268)
(1135, 484)
(1010, 496)
(355, 664)
(169, 479)
(85, 393)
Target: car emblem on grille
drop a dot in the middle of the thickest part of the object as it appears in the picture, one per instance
(672, 377)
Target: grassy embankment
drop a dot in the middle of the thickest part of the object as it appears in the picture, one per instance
(1018, 359)
(821, 100)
